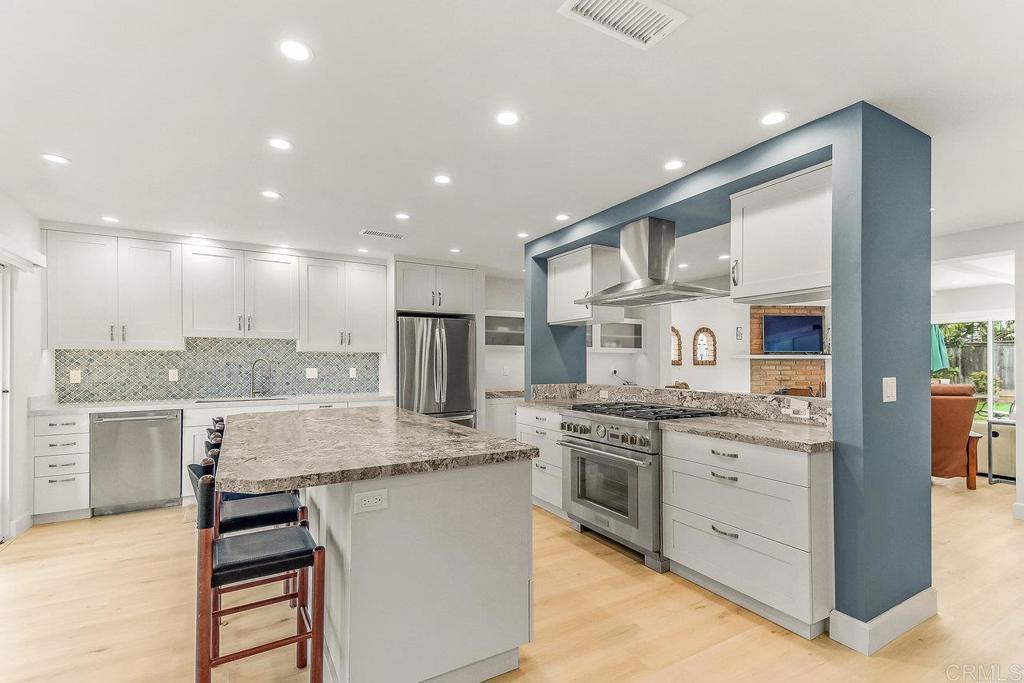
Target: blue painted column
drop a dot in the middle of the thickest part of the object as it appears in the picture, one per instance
(555, 354)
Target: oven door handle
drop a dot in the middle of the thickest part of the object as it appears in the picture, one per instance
(610, 456)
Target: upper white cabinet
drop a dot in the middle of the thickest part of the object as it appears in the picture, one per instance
(112, 293)
(213, 292)
(342, 306)
(577, 274)
(81, 290)
(271, 296)
(149, 294)
(781, 235)
(438, 289)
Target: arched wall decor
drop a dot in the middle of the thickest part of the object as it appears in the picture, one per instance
(705, 347)
(677, 347)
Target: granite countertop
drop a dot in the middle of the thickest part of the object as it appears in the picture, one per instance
(785, 435)
(47, 405)
(264, 452)
(504, 393)
(548, 403)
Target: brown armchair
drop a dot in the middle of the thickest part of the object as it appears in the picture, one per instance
(954, 445)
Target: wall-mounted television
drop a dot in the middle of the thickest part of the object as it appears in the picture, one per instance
(793, 334)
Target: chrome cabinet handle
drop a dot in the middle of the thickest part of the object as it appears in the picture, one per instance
(541, 432)
(733, 271)
(239, 322)
(124, 333)
(433, 298)
(350, 339)
(329, 405)
(60, 481)
(66, 464)
(61, 424)
(716, 475)
(111, 333)
(723, 533)
(540, 466)
(724, 454)
(585, 295)
(539, 418)
(248, 322)
(439, 297)
(342, 338)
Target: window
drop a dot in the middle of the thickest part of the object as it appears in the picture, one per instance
(677, 347)
(981, 353)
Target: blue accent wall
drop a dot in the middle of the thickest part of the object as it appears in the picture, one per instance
(880, 312)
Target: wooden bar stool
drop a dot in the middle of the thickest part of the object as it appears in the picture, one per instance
(231, 563)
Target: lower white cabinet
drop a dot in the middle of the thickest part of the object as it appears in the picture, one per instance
(532, 428)
(193, 450)
(61, 464)
(61, 493)
(500, 417)
(753, 524)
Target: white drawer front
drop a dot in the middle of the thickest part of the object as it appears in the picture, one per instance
(56, 444)
(547, 483)
(766, 507)
(545, 440)
(50, 465)
(61, 493)
(772, 463)
(771, 572)
(534, 417)
(201, 417)
(61, 424)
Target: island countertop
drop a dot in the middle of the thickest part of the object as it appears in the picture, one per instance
(266, 452)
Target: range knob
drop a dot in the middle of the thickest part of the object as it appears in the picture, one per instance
(643, 441)
(573, 427)
(563, 425)
(584, 429)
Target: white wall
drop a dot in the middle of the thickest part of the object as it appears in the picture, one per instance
(723, 317)
(31, 372)
(503, 294)
(504, 368)
(970, 304)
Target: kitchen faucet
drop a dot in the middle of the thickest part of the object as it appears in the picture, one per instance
(252, 376)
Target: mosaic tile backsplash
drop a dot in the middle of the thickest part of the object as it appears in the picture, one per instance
(209, 368)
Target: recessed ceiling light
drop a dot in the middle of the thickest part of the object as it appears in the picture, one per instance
(674, 164)
(771, 118)
(111, 219)
(270, 194)
(562, 217)
(402, 216)
(281, 144)
(442, 179)
(362, 250)
(723, 257)
(293, 49)
(455, 250)
(283, 246)
(56, 159)
(684, 265)
(197, 235)
(522, 235)
(507, 118)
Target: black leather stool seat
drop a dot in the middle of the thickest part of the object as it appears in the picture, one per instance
(266, 510)
(261, 553)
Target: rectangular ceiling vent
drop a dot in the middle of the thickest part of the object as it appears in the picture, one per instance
(380, 233)
(641, 24)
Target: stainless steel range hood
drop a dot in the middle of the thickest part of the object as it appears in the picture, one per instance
(647, 250)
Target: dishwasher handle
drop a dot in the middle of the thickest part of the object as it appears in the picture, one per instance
(139, 418)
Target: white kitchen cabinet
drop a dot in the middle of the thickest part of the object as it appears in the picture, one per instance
(81, 291)
(577, 274)
(61, 468)
(781, 239)
(149, 295)
(500, 417)
(540, 428)
(432, 288)
(213, 300)
(366, 286)
(193, 450)
(342, 306)
(271, 296)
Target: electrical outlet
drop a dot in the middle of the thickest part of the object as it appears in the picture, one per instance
(603, 394)
(75, 377)
(506, 371)
(312, 373)
(352, 373)
(798, 408)
(172, 375)
(371, 500)
(888, 389)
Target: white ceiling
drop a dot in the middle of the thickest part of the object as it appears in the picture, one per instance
(164, 108)
(976, 271)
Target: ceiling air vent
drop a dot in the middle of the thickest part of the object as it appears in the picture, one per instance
(380, 233)
(641, 24)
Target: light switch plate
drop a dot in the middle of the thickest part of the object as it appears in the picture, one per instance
(172, 375)
(352, 373)
(75, 377)
(739, 333)
(603, 394)
(312, 373)
(888, 389)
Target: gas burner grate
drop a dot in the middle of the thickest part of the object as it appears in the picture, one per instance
(649, 412)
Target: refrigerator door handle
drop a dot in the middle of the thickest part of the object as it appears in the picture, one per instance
(437, 364)
(444, 364)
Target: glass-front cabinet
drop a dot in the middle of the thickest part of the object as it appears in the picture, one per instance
(624, 337)
(504, 329)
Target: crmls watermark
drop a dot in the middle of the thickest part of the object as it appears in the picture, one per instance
(985, 673)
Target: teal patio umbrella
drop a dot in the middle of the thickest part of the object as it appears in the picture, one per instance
(940, 356)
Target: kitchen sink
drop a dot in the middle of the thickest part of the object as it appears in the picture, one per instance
(240, 400)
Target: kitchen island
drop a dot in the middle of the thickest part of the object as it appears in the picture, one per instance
(427, 527)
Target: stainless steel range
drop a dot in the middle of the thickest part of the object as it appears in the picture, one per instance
(612, 471)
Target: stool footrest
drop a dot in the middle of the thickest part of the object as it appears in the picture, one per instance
(254, 605)
(258, 582)
(260, 649)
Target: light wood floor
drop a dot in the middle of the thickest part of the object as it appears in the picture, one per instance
(112, 599)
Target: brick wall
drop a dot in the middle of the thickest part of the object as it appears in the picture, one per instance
(770, 375)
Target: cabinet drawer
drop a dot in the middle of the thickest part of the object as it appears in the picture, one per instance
(771, 463)
(61, 424)
(61, 493)
(56, 444)
(544, 439)
(547, 483)
(50, 465)
(771, 572)
(538, 418)
(774, 509)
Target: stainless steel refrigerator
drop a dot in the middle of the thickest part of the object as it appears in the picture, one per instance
(437, 367)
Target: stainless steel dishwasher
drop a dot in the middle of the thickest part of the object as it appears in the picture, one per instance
(135, 460)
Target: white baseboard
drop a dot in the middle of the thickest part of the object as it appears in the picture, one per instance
(484, 670)
(868, 638)
(20, 525)
(1018, 511)
(69, 516)
(548, 507)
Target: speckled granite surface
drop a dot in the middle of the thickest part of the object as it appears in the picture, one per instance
(791, 437)
(265, 452)
(504, 393)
